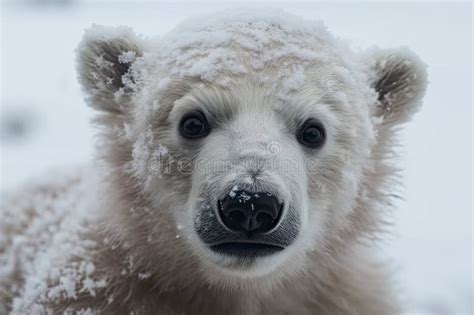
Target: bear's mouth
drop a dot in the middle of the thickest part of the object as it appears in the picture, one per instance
(246, 249)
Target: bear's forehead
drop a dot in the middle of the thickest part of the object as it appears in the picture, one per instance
(275, 48)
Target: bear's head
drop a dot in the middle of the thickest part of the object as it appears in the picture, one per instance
(245, 146)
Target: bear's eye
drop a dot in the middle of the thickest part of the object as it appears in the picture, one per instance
(194, 125)
(312, 134)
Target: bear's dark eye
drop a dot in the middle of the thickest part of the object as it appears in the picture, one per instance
(194, 125)
(312, 134)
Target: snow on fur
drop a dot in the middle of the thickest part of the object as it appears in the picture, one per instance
(49, 247)
(219, 47)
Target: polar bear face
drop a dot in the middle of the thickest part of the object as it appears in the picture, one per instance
(262, 147)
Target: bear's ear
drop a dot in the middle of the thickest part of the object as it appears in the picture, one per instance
(105, 59)
(399, 78)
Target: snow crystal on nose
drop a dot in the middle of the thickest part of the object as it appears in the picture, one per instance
(243, 197)
(233, 191)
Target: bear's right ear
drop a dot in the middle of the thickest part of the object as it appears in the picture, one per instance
(105, 59)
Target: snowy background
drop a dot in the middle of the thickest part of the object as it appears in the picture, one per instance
(44, 123)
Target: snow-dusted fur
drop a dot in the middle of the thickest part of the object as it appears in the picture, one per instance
(123, 240)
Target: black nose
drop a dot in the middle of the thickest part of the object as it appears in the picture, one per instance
(242, 211)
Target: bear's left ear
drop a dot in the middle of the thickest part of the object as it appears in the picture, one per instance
(399, 78)
(105, 59)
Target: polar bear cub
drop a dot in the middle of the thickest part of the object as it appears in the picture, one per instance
(245, 165)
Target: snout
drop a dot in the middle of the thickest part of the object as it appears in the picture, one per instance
(247, 224)
(249, 215)
(249, 219)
